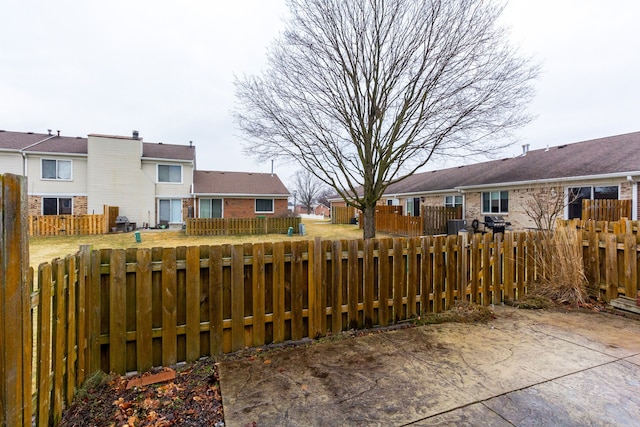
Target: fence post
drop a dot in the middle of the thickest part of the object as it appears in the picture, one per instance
(15, 313)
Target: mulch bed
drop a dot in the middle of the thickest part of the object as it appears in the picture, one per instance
(192, 398)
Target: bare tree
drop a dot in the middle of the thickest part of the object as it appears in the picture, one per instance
(544, 205)
(364, 93)
(308, 188)
(324, 195)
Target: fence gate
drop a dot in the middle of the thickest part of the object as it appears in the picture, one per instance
(15, 315)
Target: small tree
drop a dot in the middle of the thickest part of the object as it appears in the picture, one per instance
(544, 205)
(308, 188)
(365, 93)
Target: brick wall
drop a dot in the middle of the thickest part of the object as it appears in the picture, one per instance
(79, 205)
(246, 208)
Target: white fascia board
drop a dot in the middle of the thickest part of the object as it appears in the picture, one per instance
(616, 175)
(174, 196)
(241, 196)
(59, 194)
(159, 160)
(53, 154)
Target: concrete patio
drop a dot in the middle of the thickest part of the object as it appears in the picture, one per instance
(542, 368)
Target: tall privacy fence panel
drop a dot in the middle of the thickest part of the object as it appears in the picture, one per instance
(606, 209)
(343, 214)
(233, 226)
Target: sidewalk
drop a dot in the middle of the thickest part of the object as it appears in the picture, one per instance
(524, 368)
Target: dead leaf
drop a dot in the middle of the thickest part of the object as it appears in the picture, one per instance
(267, 361)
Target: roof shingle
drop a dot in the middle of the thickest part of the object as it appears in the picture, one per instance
(238, 183)
(602, 156)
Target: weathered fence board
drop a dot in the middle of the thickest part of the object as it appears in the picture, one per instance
(146, 307)
(234, 226)
(66, 225)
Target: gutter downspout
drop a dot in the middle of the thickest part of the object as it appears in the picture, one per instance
(24, 154)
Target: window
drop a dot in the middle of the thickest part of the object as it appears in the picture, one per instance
(170, 210)
(210, 208)
(452, 201)
(170, 173)
(577, 194)
(495, 202)
(264, 205)
(57, 206)
(413, 206)
(56, 169)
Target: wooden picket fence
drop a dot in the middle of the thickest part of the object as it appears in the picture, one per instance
(129, 310)
(611, 253)
(66, 225)
(236, 226)
(606, 210)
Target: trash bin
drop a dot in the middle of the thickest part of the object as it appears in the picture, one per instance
(290, 232)
(301, 229)
(138, 238)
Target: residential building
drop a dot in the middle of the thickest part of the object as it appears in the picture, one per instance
(150, 183)
(220, 194)
(603, 168)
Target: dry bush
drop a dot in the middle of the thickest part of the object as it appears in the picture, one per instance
(462, 312)
(561, 270)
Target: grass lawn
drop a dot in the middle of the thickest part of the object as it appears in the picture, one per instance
(44, 249)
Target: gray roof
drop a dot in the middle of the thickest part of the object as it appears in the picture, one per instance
(603, 156)
(45, 143)
(168, 151)
(238, 183)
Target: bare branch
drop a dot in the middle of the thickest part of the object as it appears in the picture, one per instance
(364, 93)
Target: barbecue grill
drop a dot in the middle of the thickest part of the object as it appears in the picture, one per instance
(122, 223)
(495, 223)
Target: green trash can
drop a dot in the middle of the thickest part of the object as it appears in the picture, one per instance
(138, 238)
(290, 232)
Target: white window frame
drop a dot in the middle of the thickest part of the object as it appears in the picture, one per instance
(42, 160)
(209, 200)
(57, 204)
(171, 207)
(170, 166)
(255, 206)
(454, 197)
(500, 211)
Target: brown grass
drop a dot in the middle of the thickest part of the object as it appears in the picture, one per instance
(562, 279)
(44, 249)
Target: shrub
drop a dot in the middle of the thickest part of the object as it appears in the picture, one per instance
(560, 268)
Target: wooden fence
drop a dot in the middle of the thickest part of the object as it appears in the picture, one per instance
(606, 210)
(436, 218)
(342, 214)
(129, 310)
(15, 314)
(611, 253)
(66, 225)
(398, 224)
(233, 226)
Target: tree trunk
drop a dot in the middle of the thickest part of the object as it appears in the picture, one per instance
(369, 215)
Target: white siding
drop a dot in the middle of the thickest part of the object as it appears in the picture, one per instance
(10, 163)
(115, 177)
(37, 185)
(169, 189)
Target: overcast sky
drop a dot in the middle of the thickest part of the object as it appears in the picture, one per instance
(166, 69)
